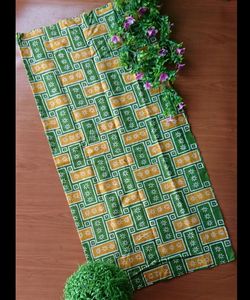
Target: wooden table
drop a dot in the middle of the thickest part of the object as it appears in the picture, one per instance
(48, 248)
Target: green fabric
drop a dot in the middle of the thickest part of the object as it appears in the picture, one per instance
(136, 184)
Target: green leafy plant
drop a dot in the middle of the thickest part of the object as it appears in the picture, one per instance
(98, 281)
(142, 37)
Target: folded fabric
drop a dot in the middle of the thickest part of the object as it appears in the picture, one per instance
(135, 180)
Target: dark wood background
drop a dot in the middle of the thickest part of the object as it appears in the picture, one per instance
(47, 245)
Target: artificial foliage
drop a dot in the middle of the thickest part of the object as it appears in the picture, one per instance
(98, 281)
(142, 37)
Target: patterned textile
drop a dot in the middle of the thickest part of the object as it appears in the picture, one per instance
(136, 183)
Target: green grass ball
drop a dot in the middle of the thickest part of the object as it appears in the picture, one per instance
(98, 281)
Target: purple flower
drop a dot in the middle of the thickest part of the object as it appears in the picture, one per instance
(180, 51)
(147, 85)
(152, 31)
(142, 11)
(126, 25)
(139, 76)
(181, 105)
(170, 119)
(128, 22)
(163, 77)
(163, 52)
(180, 66)
(115, 39)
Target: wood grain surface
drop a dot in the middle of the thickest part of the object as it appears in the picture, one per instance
(47, 245)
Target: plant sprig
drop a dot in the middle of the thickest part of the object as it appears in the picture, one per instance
(142, 37)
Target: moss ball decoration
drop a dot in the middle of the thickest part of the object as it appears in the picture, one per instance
(98, 281)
